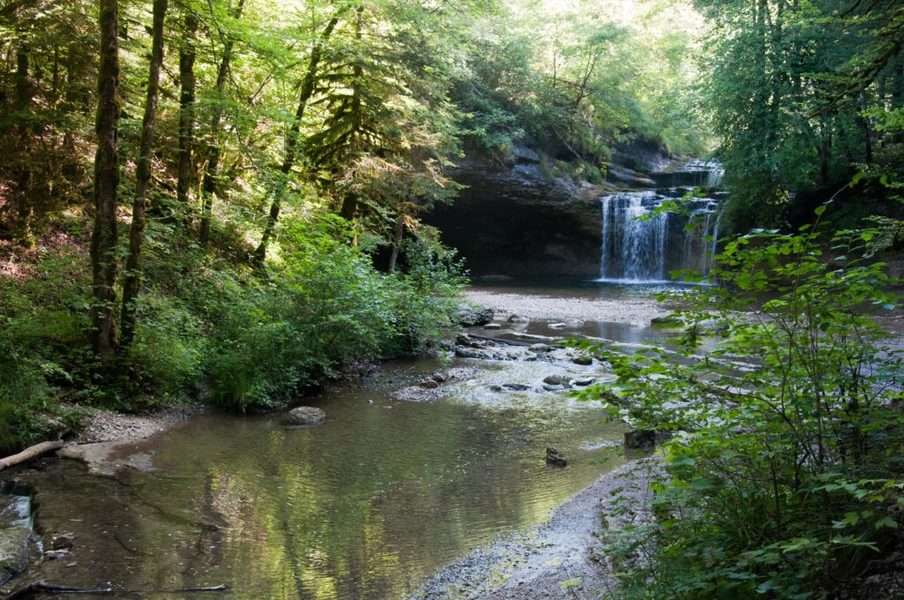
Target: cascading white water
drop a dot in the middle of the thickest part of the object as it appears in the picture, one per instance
(639, 246)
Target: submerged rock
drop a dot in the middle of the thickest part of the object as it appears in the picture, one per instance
(555, 458)
(62, 541)
(557, 379)
(582, 381)
(471, 353)
(306, 415)
(539, 348)
(582, 360)
(516, 387)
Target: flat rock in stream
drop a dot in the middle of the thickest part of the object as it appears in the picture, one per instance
(15, 535)
(106, 458)
(306, 415)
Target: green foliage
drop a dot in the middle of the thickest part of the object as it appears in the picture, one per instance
(784, 475)
(795, 92)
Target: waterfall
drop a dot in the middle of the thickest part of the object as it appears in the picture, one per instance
(639, 246)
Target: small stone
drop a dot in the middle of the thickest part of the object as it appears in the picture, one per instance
(439, 377)
(306, 415)
(496, 388)
(429, 384)
(539, 348)
(62, 541)
(556, 380)
(555, 458)
(583, 381)
(582, 360)
(517, 387)
(55, 554)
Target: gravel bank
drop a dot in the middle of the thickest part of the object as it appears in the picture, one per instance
(108, 426)
(559, 559)
(633, 311)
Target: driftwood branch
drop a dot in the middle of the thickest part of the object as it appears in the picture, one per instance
(29, 453)
(43, 587)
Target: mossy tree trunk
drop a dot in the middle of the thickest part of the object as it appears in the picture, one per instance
(106, 180)
(185, 169)
(132, 283)
(209, 187)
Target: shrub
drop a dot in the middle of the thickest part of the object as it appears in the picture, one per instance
(785, 474)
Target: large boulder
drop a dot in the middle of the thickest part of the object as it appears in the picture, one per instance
(470, 316)
(306, 415)
(640, 439)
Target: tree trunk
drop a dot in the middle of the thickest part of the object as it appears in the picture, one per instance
(106, 180)
(396, 243)
(186, 115)
(132, 283)
(209, 187)
(23, 199)
(307, 90)
(349, 209)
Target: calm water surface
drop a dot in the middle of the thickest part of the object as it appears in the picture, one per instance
(364, 506)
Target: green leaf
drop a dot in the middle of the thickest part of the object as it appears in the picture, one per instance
(570, 583)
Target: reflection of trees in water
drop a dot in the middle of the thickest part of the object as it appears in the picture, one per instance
(357, 509)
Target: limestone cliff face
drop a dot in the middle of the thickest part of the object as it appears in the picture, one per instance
(513, 220)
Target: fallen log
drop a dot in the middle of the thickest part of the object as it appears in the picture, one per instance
(30, 453)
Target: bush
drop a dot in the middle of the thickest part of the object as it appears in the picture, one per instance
(785, 474)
